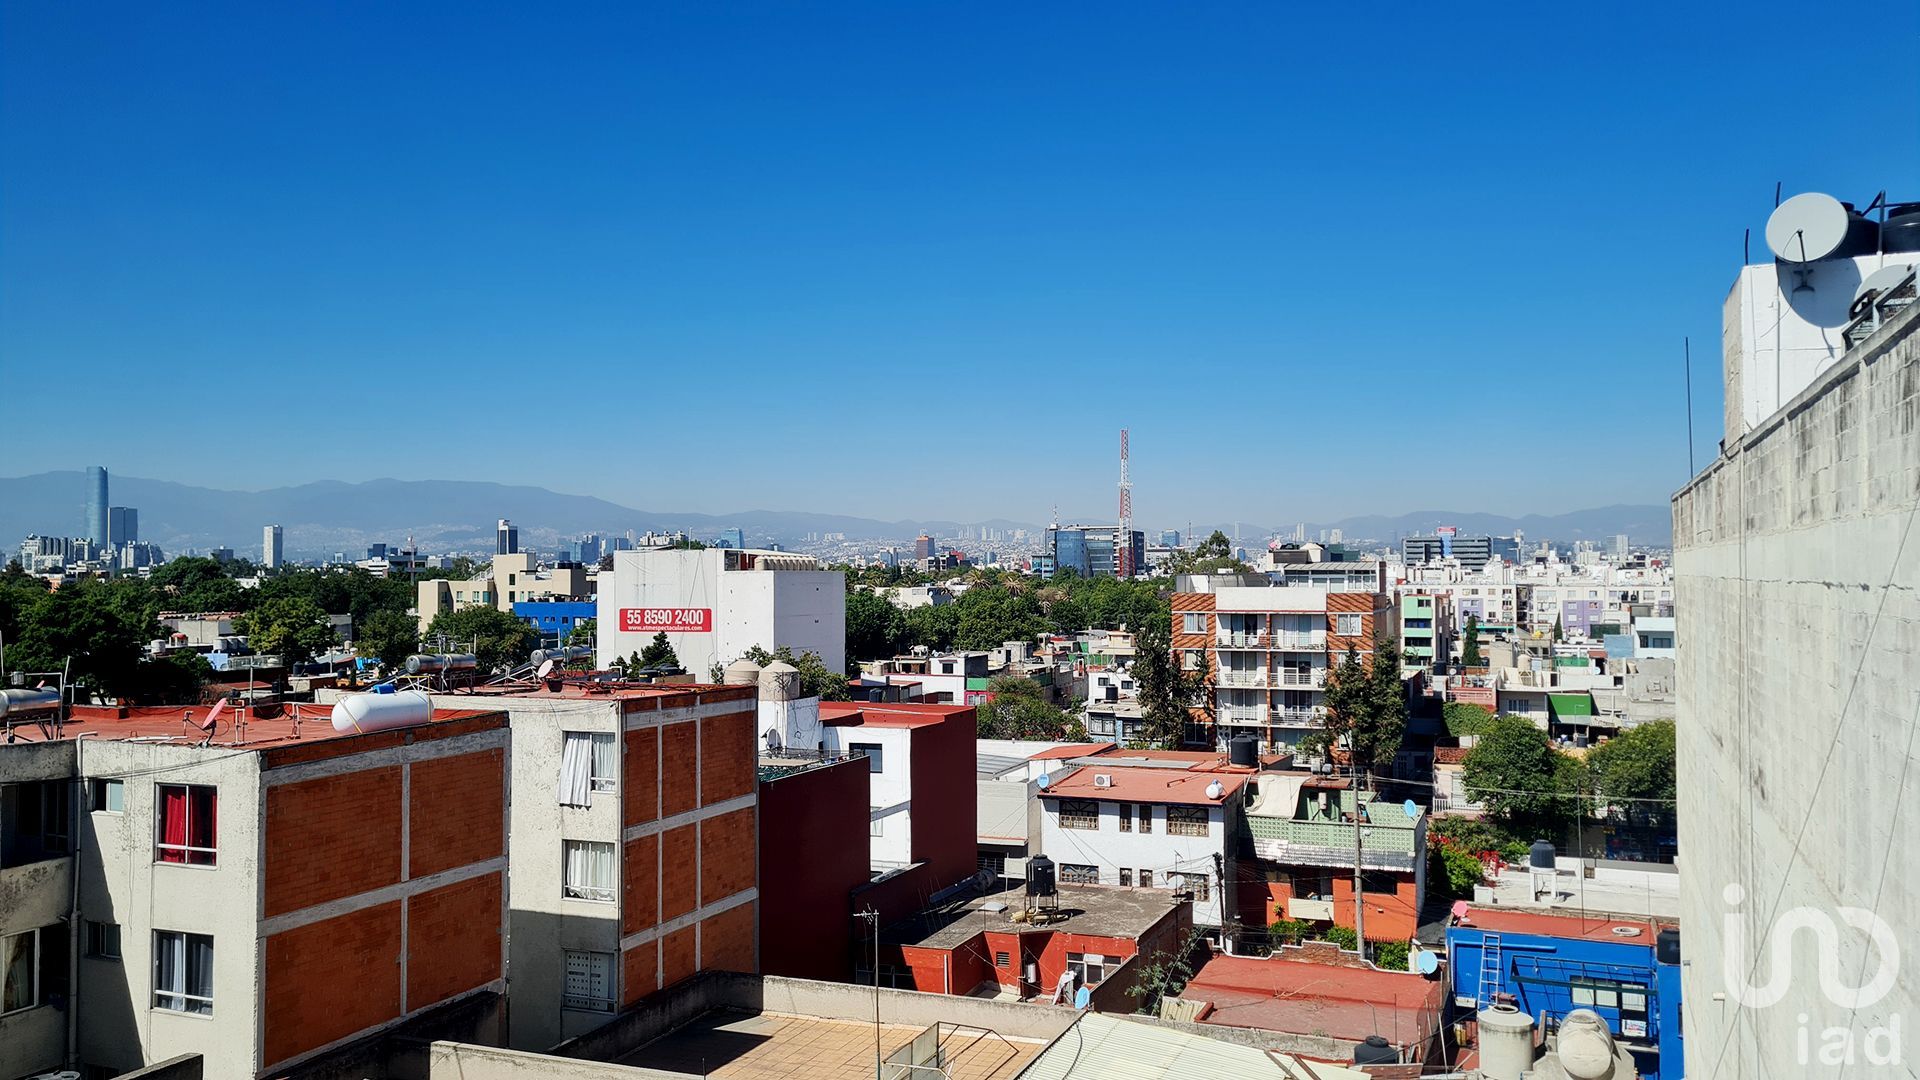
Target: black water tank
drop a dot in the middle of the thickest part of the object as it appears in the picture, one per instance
(1666, 946)
(1040, 876)
(1540, 855)
(1243, 750)
(1375, 1050)
(1901, 233)
(1863, 236)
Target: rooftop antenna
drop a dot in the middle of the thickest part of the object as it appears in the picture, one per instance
(1123, 544)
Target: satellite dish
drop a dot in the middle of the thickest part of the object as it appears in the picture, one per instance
(1807, 228)
(1876, 284)
(1045, 781)
(1427, 964)
(1410, 808)
(545, 669)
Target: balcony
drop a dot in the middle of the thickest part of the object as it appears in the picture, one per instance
(1314, 680)
(1300, 640)
(1241, 714)
(1384, 845)
(1299, 714)
(1310, 910)
(1243, 679)
(1227, 639)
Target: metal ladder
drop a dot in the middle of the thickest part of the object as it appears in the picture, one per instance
(1492, 977)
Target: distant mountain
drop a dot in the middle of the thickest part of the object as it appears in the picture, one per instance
(440, 515)
(459, 515)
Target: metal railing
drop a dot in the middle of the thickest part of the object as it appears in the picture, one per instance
(1316, 678)
(1227, 639)
(1229, 677)
(1878, 310)
(1297, 714)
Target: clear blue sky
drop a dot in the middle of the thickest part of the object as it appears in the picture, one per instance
(907, 259)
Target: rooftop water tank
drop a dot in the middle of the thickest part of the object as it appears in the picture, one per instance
(1541, 855)
(360, 713)
(427, 664)
(1243, 750)
(1040, 876)
(1375, 1050)
(742, 672)
(24, 702)
(1901, 233)
(1506, 1042)
(1586, 1047)
(780, 681)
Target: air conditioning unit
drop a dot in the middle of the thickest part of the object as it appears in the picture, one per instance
(1102, 780)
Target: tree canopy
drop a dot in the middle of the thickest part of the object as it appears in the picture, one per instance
(1214, 555)
(388, 637)
(876, 628)
(1470, 646)
(293, 628)
(1635, 769)
(1168, 694)
(498, 639)
(1019, 710)
(816, 679)
(1367, 705)
(1522, 780)
(1466, 718)
(659, 653)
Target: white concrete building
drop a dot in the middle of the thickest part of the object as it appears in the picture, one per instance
(715, 604)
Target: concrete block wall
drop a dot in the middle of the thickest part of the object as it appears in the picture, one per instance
(1798, 607)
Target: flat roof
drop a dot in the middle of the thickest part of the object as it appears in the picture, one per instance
(901, 714)
(1571, 925)
(645, 695)
(1144, 782)
(735, 1045)
(1299, 997)
(178, 725)
(1092, 910)
(1073, 750)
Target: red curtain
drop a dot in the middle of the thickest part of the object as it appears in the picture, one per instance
(173, 823)
(204, 801)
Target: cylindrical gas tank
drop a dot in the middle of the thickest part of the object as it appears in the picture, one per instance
(22, 702)
(361, 713)
(428, 664)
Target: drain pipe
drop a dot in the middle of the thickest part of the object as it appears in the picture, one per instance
(79, 806)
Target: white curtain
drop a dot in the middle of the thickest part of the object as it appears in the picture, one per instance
(605, 769)
(589, 870)
(576, 766)
(200, 972)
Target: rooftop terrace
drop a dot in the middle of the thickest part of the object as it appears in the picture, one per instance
(1093, 910)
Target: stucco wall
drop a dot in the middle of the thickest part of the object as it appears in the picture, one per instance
(1798, 584)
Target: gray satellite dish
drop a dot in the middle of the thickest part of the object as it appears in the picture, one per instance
(1880, 281)
(1807, 228)
(545, 669)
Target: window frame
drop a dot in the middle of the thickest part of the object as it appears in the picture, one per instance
(1358, 622)
(1081, 815)
(1126, 877)
(1126, 817)
(585, 891)
(872, 751)
(1087, 973)
(1146, 878)
(1182, 821)
(1145, 816)
(95, 941)
(189, 850)
(181, 994)
(98, 795)
(33, 969)
(1193, 622)
(1200, 885)
(598, 784)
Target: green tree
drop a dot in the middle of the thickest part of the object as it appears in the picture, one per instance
(293, 628)
(1390, 955)
(192, 583)
(1166, 974)
(875, 627)
(101, 627)
(1367, 705)
(585, 632)
(934, 626)
(1168, 694)
(1470, 648)
(1018, 710)
(388, 637)
(1522, 780)
(990, 616)
(1635, 765)
(816, 679)
(500, 641)
(659, 653)
(1466, 718)
(1214, 555)
(1559, 634)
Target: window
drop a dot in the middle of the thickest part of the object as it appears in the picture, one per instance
(107, 796)
(1146, 879)
(588, 982)
(1146, 817)
(875, 822)
(1088, 968)
(1001, 959)
(871, 750)
(1193, 622)
(589, 762)
(589, 870)
(1079, 814)
(1200, 885)
(1126, 817)
(1186, 821)
(1349, 625)
(1190, 659)
(183, 972)
(103, 940)
(186, 821)
(1379, 881)
(1079, 874)
(1126, 877)
(19, 971)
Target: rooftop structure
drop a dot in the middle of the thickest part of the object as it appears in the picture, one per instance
(1144, 1050)
(1342, 1005)
(715, 604)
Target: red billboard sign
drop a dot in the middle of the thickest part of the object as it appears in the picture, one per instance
(673, 620)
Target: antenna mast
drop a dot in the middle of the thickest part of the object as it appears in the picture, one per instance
(1123, 553)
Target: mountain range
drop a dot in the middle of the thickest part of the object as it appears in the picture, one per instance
(458, 515)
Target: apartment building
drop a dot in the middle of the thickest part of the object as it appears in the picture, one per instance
(920, 760)
(260, 896)
(1148, 819)
(716, 603)
(1426, 627)
(1302, 828)
(512, 578)
(1268, 650)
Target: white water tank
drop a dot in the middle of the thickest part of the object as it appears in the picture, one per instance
(361, 713)
(1506, 1042)
(1586, 1048)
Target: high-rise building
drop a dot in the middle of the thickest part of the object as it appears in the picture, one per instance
(506, 538)
(123, 525)
(1169, 538)
(1620, 546)
(735, 537)
(97, 525)
(923, 547)
(270, 547)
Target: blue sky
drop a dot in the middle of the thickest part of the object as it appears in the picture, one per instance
(906, 259)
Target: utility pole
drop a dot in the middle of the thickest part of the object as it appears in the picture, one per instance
(872, 918)
(1359, 897)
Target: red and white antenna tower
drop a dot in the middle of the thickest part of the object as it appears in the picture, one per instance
(1123, 553)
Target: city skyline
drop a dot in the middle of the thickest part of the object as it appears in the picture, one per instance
(632, 210)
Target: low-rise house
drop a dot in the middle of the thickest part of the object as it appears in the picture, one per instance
(1307, 832)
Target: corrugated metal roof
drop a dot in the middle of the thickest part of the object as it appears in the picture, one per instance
(1113, 1048)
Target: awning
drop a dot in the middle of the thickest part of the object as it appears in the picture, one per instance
(1563, 705)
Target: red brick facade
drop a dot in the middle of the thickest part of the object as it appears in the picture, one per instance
(331, 979)
(331, 837)
(456, 814)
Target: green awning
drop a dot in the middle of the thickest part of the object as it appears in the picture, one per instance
(1570, 704)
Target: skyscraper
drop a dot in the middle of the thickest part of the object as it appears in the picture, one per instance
(270, 547)
(506, 538)
(123, 525)
(97, 525)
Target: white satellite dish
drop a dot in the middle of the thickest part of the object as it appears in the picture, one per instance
(545, 669)
(1879, 282)
(1807, 228)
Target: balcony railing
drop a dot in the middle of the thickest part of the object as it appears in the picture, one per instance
(1235, 640)
(1231, 714)
(1330, 843)
(1279, 639)
(1299, 714)
(1315, 679)
(1242, 678)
